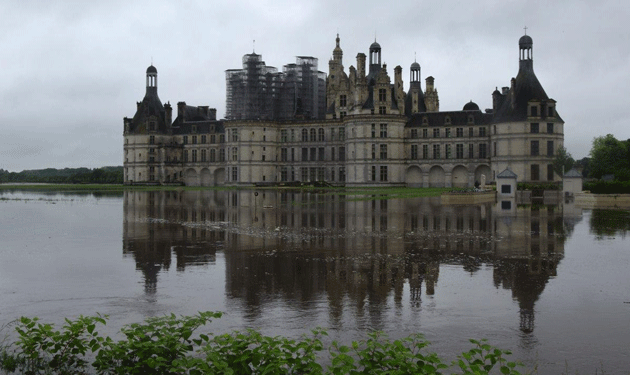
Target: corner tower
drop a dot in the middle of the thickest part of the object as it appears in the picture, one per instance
(527, 129)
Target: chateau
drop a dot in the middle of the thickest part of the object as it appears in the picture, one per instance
(353, 127)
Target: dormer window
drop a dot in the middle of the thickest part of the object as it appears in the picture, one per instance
(425, 121)
(533, 111)
(342, 101)
(382, 95)
(471, 119)
(447, 120)
(550, 111)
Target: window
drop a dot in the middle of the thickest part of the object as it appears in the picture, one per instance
(447, 151)
(382, 110)
(383, 175)
(550, 172)
(234, 173)
(459, 151)
(471, 153)
(194, 156)
(470, 132)
(284, 135)
(292, 135)
(235, 153)
(425, 133)
(549, 148)
(436, 151)
(533, 127)
(459, 132)
(320, 154)
(204, 155)
(185, 155)
(204, 139)
(414, 152)
(342, 134)
(313, 135)
(213, 138)
(222, 138)
(313, 153)
(284, 154)
(436, 132)
(213, 155)
(382, 95)
(304, 135)
(342, 101)
(320, 135)
(373, 152)
(342, 174)
(550, 111)
(194, 139)
(151, 125)
(383, 152)
(332, 134)
(332, 153)
(373, 173)
(534, 148)
(425, 151)
(304, 154)
(550, 128)
(535, 173)
(533, 110)
(373, 131)
(483, 152)
(342, 156)
(284, 175)
(321, 172)
(152, 140)
(447, 132)
(383, 130)
(506, 189)
(482, 131)
(222, 154)
(414, 133)
(447, 120)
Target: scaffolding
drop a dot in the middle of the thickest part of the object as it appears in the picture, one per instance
(260, 92)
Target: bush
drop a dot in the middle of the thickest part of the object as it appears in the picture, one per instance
(608, 187)
(169, 345)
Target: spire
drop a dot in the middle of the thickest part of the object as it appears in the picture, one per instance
(337, 52)
(151, 80)
(526, 57)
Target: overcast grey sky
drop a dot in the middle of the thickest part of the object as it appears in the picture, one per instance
(71, 70)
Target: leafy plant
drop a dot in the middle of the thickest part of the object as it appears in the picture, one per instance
(156, 346)
(482, 359)
(41, 349)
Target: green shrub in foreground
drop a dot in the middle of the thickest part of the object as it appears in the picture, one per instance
(169, 345)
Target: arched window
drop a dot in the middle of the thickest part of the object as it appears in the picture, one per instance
(313, 135)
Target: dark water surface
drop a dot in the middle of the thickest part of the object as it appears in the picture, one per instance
(550, 282)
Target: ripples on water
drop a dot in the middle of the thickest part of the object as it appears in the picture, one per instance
(546, 281)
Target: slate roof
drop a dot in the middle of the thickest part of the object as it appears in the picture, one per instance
(150, 106)
(573, 173)
(507, 173)
(458, 118)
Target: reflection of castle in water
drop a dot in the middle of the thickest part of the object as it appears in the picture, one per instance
(354, 252)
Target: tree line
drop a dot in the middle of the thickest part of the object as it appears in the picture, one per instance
(104, 175)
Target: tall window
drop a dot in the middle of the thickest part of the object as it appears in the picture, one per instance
(459, 132)
(470, 132)
(373, 130)
(304, 135)
(382, 95)
(204, 139)
(425, 133)
(414, 133)
(459, 151)
(234, 153)
(304, 154)
(383, 130)
(436, 151)
(342, 157)
(222, 154)
(152, 140)
(382, 110)
(483, 151)
(313, 135)
(342, 134)
(447, 151)
(436, 132)
(534, 148)
(414, 152)
(194, 139)
(185, 155)
(550, 172)
(313, 153)
(320, 154)
(194, 156)
(533, 111)
(342, 101)
(383, 152)
(549, 148)
(284, 135)
(373, 173)
(535, 172)
(383, 176)
(550, 128)
(213, 155)
(447, 132)
(373, 152)
(204, 155)
(425, 151)
(284, 154)
(534, 128)
(234, 173)
(320, 135)
(471, 153)
(482, 131)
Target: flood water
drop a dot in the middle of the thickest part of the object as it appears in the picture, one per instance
(550, 282)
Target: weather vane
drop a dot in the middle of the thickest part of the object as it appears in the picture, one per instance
(525, 30)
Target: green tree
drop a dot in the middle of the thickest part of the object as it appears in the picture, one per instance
(609, 156)
(563, 162)
(583, 164)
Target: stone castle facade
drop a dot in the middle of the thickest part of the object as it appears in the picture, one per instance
(369, 131)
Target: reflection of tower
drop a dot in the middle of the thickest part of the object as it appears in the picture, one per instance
(160, 224)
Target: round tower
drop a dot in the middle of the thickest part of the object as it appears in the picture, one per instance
(151, 79)
(526, 56)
